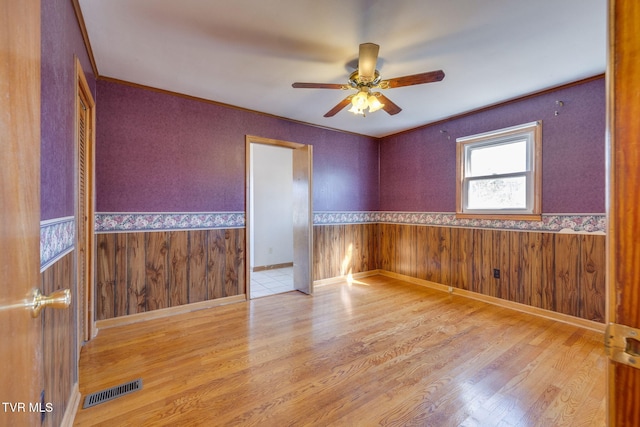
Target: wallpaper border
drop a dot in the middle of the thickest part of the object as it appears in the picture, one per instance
(577, 223)
(125, 222)
(57, 238)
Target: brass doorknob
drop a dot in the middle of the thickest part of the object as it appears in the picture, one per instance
(58, 299)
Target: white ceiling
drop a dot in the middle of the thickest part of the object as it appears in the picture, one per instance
(247, 53)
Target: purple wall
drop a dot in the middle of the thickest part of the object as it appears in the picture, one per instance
(418, 168)
(157, 152)
(162, 153)
(61, 42)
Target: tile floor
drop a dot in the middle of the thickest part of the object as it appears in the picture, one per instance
(269, 282)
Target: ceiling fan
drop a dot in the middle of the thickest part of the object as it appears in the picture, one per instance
(366, 79)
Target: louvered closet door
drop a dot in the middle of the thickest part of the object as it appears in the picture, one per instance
(82, 220)
(85, 210)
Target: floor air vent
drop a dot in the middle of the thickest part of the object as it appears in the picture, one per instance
(111, 393)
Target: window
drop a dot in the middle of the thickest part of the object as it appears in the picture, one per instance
(499, 173)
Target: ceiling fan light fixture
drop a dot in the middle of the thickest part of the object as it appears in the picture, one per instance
(374, 103)
(356, 110)
(360, 100)
(359, 103)
(364, 100)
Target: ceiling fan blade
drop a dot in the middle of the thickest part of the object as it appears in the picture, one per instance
(415, 79)
(298, 85)
(367, 60)
(335, 110)
(389, 106)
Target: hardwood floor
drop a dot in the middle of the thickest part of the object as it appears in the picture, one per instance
(377, 352)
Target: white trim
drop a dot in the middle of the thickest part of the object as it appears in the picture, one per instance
(171, 213)
(156, 230)
(53, 221)
(453, 213)
(57, 258)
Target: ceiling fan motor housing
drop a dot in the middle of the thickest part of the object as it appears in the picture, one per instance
(357, 82)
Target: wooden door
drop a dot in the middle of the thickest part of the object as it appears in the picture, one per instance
(20, 335)
(302, 219)
(623, 242)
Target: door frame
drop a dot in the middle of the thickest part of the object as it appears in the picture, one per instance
(252, 139)
(623, 199)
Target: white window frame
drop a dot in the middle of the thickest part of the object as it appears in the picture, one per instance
(532, 134)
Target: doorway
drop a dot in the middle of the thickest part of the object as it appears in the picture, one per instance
(279, 217)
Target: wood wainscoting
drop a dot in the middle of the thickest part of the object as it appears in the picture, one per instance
(144, 271)
(564, 273)
(59, 345)
(343, 249)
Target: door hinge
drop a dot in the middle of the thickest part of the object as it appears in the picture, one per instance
(623, 344)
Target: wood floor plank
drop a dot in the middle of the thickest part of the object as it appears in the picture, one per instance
(378, 351)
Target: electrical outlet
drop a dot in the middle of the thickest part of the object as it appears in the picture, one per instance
(496, 273)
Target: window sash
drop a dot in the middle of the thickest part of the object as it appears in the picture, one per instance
(471, 147)
(527, 209)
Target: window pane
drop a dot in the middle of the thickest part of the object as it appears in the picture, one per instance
(498, 159)
(497, 193)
